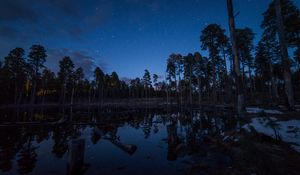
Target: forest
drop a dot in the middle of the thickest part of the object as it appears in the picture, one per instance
(232, 107)
(190, 79)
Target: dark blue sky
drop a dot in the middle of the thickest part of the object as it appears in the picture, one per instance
(122, 35)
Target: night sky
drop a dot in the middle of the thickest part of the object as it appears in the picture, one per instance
(126, 36)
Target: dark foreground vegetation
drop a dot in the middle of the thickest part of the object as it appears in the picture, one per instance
(261, 74)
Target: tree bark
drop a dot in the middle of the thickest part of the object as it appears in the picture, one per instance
(239, 82)
(64, 94)
(250, 80)
(214, 83)
(225, 64)
(33, 92)
(190, 86)
(72, 94)
(89, 95)
(16, 93)
(44, 87)
(99, 94)
(273, 84)
(180, 88)
(199, 91)
(284, 56)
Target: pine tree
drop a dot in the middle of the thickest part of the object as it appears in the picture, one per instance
(199, 72)
(36, 60)
(65, 74)
(211, 39)
(77, 78)
(99, 80)
(189, 63)
(155, 81)
(16, 67)
(245, 47)
(48, 82)
(291, 22)
(114, 83)
(265, 58)
(147, 82)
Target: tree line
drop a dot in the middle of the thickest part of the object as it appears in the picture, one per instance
(212, 78)
(190, 79)
(26, 80)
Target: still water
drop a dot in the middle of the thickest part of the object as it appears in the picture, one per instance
(93, 141)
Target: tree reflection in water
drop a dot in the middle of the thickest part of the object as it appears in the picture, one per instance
(186, 132)
(27, 157)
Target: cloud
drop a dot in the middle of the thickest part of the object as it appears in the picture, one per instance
(50, 22)
(79, 58)
(68, 7)
(55, 18)
(8, 32)
(16, 10)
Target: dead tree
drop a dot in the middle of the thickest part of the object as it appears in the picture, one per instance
(284, 56)
(238, 77)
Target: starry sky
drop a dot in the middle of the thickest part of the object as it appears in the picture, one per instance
(126, 36)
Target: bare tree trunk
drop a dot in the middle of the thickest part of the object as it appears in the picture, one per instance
(214, 84)
(33, 92)
(99, 95)
(20, 94)
(180, 89)
(250, 80)
(273, 84)
(224, 57)
(72, 94)
(94, 95)
(43, 94)
(90, 94)
(167, 93)
(239, 82)
(18, 98)
(176, 91)
(190, 87)
(64, 94)
(284, 56)
(199, 91)
(16, 93)
(244, 76)
(167, 96)
(231, 66)
(102, 95)
(43, 100)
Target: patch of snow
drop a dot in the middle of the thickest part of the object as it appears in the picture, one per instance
(289, 131)
(297, 107)
(255, 110)
(225, 138)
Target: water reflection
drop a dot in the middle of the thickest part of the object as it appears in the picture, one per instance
(76, 163)
(112, 137)
(31, 140)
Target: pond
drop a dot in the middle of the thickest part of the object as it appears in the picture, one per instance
(111, 141)
(122, 141)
